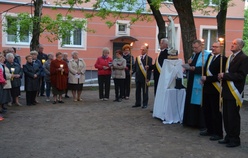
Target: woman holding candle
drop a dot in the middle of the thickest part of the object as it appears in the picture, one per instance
(17, 72)
(58, 76)
(77, 68)
(6, 98)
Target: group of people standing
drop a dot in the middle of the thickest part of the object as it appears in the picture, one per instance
(120, 69)
(41, 73)
(10, 79)
(123, 67)
(223, 81)
(60, 74)
(214, 91)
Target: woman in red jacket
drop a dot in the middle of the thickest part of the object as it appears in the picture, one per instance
(103, 64)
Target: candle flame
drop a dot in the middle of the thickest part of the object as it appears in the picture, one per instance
(221, 40)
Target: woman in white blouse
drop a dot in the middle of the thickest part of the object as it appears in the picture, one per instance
(77, 68)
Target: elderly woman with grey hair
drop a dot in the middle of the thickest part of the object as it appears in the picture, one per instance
(77, 68)
(16, 70)
(103, 64)
(6, 97)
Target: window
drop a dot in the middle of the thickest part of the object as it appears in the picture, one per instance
(16, 34)
(122, 28)
(168, 1)
(73, 39)
(209, 36)
(74, 35)
(211, 2)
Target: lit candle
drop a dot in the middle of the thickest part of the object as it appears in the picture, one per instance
(12, 71)
(221, 40)
(61, 66)
(146, 44)
(43, 61)
(131, 44)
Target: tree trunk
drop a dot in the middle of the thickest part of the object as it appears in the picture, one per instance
(38, 4)
(159, 19)
(187, 24)
(221, 20)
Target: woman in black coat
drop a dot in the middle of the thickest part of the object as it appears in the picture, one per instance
(32, 73)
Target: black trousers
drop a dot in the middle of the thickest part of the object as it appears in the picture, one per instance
(213, 116)
(104, 85)
(30, 97)
(126, 86)
(231, 120)
(42, 85)
(141, 86)
(156, 78)
(119, 88)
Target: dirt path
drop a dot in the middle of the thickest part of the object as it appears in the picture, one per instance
(94, 129)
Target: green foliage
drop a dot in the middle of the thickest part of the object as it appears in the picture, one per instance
(18, 26)
(59, 28)
(201, 5)
(245, 32)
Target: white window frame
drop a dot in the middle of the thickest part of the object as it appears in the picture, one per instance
(211, 3)
(122, 33)
(207, 27)
(178, 37)
(82, 46)
(7, 43)
(167, 1)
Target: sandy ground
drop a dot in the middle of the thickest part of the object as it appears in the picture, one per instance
(106, 129)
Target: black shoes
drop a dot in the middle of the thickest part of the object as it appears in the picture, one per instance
(60, 101)
(224, 141)
(228, 143)
(117, 100)
(215, 137)
(232, 145)
(205, 133)
(144, 107)
(66, 96)
(136, 106)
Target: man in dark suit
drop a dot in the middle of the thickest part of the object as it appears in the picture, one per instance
(42, 57)
(233, 85)
(211, 93)
(142, 76)
(157, 67)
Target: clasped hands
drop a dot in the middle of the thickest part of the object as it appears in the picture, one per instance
(61, 69)
(147, 67)
(105, 67)
(220, 77)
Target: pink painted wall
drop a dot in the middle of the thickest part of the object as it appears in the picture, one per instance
(145, 32)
